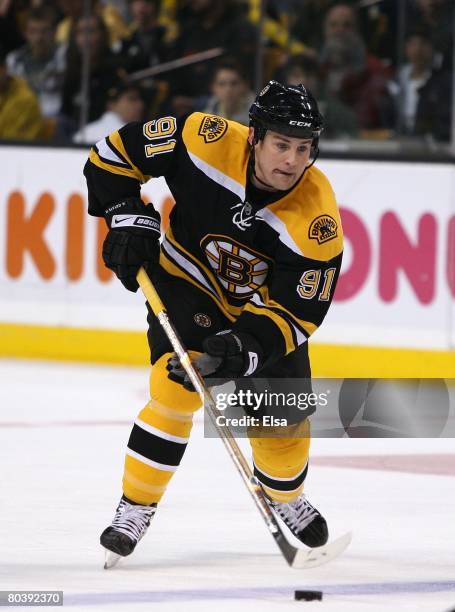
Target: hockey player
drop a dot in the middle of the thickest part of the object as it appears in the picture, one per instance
(253, 250)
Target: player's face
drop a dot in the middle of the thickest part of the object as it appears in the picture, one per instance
(143, 12)
(40, 36)
(340, 21)
(280, 160)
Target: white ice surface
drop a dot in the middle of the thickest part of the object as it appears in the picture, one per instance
(63, 429)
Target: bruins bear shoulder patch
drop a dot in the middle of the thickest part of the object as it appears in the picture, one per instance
(323, 229)
(212, 128)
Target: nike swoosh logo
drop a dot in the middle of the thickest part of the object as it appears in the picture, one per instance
(118, 221)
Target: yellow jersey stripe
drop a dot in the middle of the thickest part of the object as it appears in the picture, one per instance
(116, 141)
(97, 161)
(172, 269)
(281, 323)
(305, 325)
(235, 311)
(205, 270)
(212, 287)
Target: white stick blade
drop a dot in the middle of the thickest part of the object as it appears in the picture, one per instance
(312, 557)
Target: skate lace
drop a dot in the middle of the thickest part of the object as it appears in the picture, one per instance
(297, 514)
(132, 520)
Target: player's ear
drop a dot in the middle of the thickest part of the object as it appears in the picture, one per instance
(251, 135)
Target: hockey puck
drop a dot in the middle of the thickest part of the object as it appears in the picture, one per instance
(308, 595)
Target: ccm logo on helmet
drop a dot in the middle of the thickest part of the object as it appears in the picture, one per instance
(299, 123)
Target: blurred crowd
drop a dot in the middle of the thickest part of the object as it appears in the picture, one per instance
(379, 68)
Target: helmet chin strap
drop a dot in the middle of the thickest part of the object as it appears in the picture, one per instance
(271, 187)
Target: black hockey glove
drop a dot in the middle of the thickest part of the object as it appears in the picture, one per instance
(132, 240)
(226, 355)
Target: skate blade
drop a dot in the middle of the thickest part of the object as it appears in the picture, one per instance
(110, 559)
(312, 557)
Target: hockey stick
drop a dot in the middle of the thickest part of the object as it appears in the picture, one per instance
(298, 557)
(181, 62)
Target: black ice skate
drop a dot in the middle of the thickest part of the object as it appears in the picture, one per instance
(129, 525)
(303, 520)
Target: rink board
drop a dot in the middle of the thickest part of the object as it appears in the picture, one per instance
(123, 347)
(396, 291)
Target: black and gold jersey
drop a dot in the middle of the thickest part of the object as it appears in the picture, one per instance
(271, 268)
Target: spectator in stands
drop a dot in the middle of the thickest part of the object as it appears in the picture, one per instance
(144, 47)
(105, 69)
(209, 24)
(74, 10)
(309, 21)
(20, 116)
(231, 93)
(358, 79)
(411, 77)
(126, 103)
(436, 17)
(434, 108)
(378, 24)
(339, 120)
(40, 61)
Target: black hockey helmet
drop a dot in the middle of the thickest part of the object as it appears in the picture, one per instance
(289, 110)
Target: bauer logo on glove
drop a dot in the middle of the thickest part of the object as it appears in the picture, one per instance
(135, 221)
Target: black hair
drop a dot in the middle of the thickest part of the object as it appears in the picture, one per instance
(231, 63)
(307, 64)
(42, 13)
(114, 93)
(420, 32)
